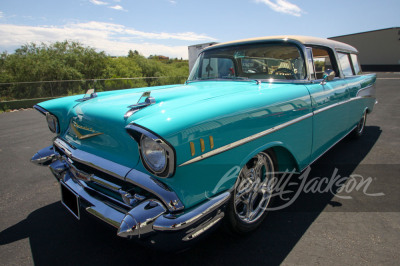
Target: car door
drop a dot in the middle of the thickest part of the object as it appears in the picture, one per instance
(330, 120)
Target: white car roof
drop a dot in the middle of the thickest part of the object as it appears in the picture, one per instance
(306, 40)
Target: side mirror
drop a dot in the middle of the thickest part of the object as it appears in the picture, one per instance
(329, 75)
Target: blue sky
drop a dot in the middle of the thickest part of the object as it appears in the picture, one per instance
(167, 27)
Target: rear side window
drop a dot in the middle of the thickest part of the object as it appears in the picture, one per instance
(356, 64)
(345, 63)
(323, 60)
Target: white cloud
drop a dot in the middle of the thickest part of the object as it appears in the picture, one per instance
(172, 2)
(117, 7)
(1, 14)
(98, 2)
(283, 6)
(114, 39)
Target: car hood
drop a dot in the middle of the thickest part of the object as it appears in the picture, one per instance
(103, 116)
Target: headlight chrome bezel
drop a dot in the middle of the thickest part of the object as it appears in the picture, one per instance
(144, 140)
(139, 134)
(52, 123)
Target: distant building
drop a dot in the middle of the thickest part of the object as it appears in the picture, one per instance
(194, 51)
(161, 57)
(379, 49)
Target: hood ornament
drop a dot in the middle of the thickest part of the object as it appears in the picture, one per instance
(90, 94)
(140, 104)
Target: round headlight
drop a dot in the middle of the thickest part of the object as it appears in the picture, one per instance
(52, 122)
(154, 155)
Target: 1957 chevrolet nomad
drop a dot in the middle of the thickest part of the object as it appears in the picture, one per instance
(166, 164)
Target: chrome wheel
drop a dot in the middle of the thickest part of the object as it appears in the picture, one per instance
(254, 188)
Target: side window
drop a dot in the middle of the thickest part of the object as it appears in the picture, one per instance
(356, 64)
(344, 60)
(323, 59)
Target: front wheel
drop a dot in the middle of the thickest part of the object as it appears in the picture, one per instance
(252, 194)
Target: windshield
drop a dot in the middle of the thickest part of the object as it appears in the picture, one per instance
(260, 61)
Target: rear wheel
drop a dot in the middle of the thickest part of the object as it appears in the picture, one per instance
(252, 194)
(359, 130)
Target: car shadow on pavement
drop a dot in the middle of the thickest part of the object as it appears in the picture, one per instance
(56, 238)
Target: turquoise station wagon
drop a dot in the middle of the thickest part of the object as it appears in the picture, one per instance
(167, 164)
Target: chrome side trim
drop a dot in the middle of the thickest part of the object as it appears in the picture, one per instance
(246, 140)
(338, 104)
(323, 109)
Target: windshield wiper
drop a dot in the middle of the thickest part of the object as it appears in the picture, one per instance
(228, 78)
(258, 81)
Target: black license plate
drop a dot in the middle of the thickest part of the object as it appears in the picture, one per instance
(70, 200)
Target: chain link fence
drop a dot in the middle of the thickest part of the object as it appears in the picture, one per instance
(16, 95)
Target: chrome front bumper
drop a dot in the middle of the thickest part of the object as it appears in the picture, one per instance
(155, 212)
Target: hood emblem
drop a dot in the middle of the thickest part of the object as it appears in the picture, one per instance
(75, 126)
(139, 105)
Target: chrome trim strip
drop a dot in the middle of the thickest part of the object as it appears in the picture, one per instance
(338, 104)
(245, 140)
(104, 183)
(323, 109)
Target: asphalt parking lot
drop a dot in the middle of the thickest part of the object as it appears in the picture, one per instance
(319, 228)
